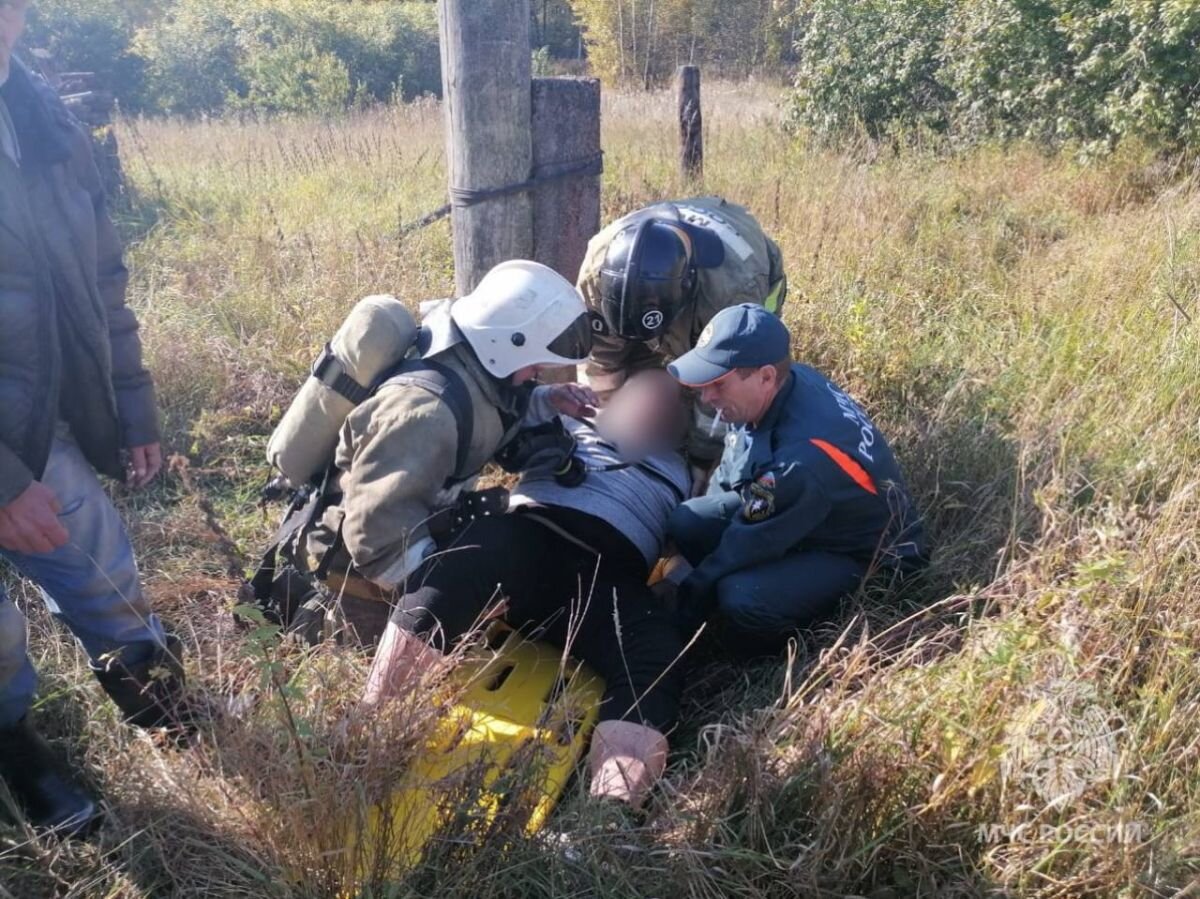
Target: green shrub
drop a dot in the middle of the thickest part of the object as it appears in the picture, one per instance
(192, 58)
(871, 65)
(1148, 67)
(195, 57)
(390, 49)
(91, 36)
(1010, 69)
(1089, 72)
(295, 77)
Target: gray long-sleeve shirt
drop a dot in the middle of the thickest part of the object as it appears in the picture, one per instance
(636, 500)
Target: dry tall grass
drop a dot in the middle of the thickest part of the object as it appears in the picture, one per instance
(1022, 327)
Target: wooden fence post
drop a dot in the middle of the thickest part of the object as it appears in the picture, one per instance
(691, 124)
(486, 69)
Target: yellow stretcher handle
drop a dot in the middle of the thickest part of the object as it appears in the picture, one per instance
(516, 735)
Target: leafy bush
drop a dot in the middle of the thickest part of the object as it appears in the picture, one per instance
(202, 56)
(1085, 71)
(872, 64)
(91, 36)
(389, 48)
(296, 77)
(1011, 71)
(193, 60)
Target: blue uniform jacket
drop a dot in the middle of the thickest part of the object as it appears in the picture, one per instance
(814, 474)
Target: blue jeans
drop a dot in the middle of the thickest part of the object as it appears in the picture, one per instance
(90, 584)
(762, 605)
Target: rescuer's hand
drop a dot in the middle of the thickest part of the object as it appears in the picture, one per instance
(575, 400)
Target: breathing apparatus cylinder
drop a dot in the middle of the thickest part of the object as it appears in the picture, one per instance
(376, 335)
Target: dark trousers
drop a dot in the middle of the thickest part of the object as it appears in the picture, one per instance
(761, 606)
(598, 606)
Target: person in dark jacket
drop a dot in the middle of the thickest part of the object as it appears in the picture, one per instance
(75, 400)
(807, 500)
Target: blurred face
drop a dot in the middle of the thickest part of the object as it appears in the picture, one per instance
(742, 396)
(12, 24)
(646, 415)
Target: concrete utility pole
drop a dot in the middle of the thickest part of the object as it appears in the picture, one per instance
(691, 124)
(566, 134)
(486, 59)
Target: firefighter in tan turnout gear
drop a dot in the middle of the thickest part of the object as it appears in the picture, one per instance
(409, 442)
(658, 276)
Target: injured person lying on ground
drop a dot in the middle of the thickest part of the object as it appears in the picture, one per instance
(569, 564)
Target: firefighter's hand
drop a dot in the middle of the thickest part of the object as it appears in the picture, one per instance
(575, 400)
(30, 525)
(145, 462)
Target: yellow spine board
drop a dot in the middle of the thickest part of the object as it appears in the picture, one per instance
(509, 745)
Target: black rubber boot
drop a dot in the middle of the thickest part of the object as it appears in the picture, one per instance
(150, 693)
(49, 796)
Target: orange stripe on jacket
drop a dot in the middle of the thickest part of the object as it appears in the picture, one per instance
(848, 465)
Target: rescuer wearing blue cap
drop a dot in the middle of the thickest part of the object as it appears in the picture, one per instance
(807, 499)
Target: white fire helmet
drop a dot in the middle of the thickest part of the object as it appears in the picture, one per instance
(521, 314)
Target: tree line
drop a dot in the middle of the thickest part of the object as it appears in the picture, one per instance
(195, 57)
(1087, 72)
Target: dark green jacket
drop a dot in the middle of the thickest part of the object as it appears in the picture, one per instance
(69, 346)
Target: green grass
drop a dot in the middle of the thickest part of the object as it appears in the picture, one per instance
(1019, 324)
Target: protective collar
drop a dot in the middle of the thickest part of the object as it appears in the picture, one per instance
(438, 331)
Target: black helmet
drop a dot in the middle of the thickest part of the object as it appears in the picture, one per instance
(648, 276)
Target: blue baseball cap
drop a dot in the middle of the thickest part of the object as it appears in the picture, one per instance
(745, 336)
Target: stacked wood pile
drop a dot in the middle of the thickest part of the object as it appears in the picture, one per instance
(94, 107)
